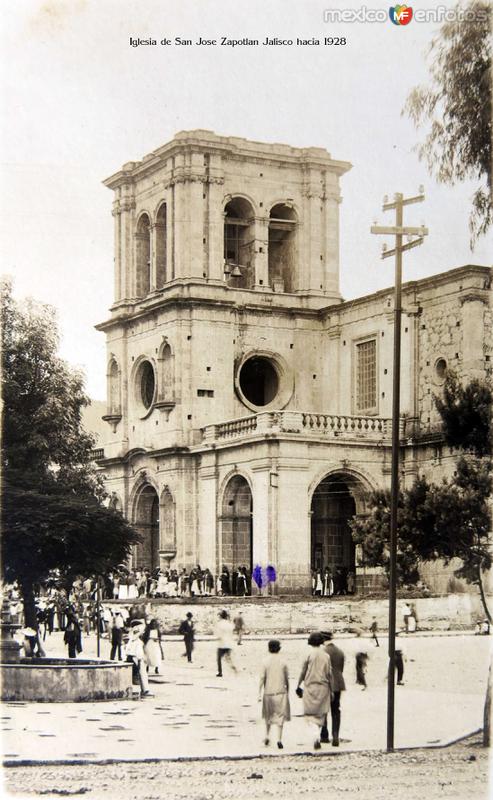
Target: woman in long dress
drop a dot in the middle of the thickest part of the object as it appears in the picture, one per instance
(274, 682)
(152, 646)
(316, 675)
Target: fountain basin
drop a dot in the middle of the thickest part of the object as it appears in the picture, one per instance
(65, 680)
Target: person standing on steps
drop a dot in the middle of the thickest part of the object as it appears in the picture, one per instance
(224, 633)
(337, 659)
(274, 683)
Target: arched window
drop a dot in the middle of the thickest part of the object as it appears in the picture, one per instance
(166, 378)
(282, 248)
(161, 244)
(143, 256)
(239, 243)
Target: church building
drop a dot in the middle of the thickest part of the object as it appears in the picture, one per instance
(248, 405)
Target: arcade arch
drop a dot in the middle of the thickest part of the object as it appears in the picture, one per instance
(236, 529)
(336, 499)
(146, 522)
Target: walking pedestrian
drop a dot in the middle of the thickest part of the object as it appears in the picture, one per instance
(71, 639)
(224, 635)
(153, 649)
(412, 623)
(361, 669)
(274, 683)
(400, 657)
(116, 637)
(187, 630)
(374, 630)
(316, 675)
(239, 627)
(406, 613)
(135, 656)
(337, 659)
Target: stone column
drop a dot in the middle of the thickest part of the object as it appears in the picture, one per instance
(207, 514)
(180, 248)
(127, 208)
(260, 521)
(215, 233)
(261, 256)
(195, 217)
(117, 260)
(331, 255)
(332, 373)
(294, 519)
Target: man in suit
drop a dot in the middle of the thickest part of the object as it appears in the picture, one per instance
(337, 663)
(187, 630)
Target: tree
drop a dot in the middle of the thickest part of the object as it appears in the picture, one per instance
(466, 415)
(457, 108)
(52, 494)
(448, 520)
(413, 524)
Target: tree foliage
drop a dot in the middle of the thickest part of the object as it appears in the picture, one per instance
(63, 533)
(466, 414)
(456, 107)
(447, 520)
(51, 492)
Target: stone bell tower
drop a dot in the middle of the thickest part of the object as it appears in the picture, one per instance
(226, 250)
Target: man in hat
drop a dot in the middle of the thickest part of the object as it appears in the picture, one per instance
(187, 630)
(336, 656)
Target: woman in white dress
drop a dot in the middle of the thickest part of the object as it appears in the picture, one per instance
(153, 651)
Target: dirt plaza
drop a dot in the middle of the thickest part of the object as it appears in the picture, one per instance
(193, 713)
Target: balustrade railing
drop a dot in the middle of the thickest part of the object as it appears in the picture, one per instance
(307, 424)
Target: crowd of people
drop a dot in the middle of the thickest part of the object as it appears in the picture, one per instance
(135, 636)
(326, 583)
(129, 584)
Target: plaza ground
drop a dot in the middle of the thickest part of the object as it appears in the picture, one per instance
(458, 772)
(195, 715)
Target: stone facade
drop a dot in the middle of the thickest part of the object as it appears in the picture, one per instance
(248, 405)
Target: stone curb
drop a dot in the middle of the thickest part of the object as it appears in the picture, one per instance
(77, 762)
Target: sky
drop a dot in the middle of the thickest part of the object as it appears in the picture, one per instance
(78, 101)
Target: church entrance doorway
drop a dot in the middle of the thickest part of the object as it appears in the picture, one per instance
(236, 544)
(146, 554)
(332, 545)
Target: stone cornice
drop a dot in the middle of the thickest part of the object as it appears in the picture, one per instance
(483, 273)
(231, 148)
(199, 293)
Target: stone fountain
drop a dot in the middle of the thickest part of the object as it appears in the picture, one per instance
(62, 680)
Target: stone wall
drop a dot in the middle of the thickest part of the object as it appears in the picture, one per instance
(276, 616)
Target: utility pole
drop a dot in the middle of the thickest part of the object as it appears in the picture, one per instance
(398, 230)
